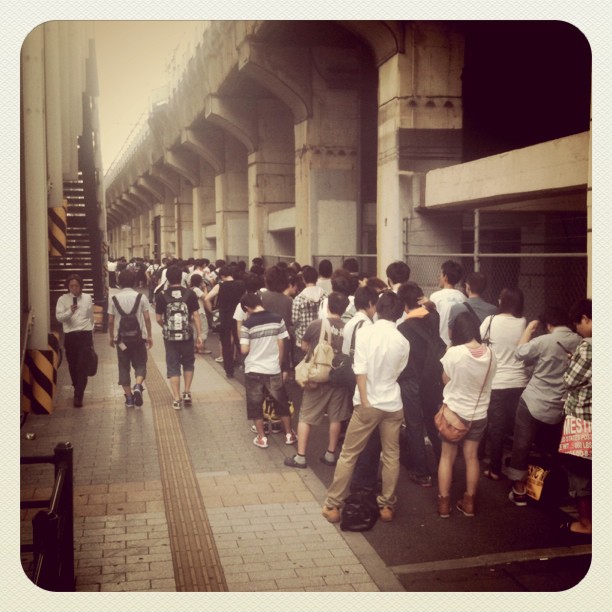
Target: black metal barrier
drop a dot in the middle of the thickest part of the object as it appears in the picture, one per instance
(53, 528)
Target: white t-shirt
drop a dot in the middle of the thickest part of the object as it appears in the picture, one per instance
(504, 335)
(445, 299)
(467, 373)
(349, 327)
(200, 295)
(126, 298)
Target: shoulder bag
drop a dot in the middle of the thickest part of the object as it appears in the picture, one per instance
(448, 423)
(317, 364)
(342, 374)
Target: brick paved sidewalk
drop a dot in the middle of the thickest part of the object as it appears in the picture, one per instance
(168, 500)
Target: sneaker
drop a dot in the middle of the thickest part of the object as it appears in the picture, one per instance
(187, 399)
(518, 499)
(331, 513)
(276, 427)
(137, 394)
(177, 404)
(219, 359)
(326, 461)
(291, 462)
(422, 481)
(387, 513)
(290, 438)
(129, 401)
(266, 429)
(261, 442)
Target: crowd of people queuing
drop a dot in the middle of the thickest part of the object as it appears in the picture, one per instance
(507, 379)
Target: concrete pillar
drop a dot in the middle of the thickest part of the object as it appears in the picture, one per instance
(420, 121)
(271, 177)
(53, 113)
(203, 211)
(231, 196)
(326, 182)
(35, 181)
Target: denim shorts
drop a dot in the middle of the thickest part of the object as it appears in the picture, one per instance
(179, 354)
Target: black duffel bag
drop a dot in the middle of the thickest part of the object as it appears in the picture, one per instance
(360, 511)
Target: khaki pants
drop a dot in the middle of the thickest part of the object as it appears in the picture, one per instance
(362, 424)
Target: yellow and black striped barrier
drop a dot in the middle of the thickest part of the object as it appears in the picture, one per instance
(39, 378)
(57, 230)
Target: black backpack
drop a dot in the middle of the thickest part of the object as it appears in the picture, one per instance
(360, 511)
(129, 331)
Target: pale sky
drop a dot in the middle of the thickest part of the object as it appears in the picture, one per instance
(131, 58)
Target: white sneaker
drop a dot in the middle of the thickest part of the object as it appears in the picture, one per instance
(187, 398)
(219, 359)
(177, 404)
(290, 438)
(261, 442)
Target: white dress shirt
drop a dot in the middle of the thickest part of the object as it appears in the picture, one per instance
(381, 353)
(82, 319)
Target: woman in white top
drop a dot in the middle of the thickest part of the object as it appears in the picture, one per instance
(469, 367)
(502, 332)
(74, 310)
(195, 284)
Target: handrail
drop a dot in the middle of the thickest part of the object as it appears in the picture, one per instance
(25, 334)
(53, 528)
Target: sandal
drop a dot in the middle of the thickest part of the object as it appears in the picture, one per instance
(565, 529)
(493, 476)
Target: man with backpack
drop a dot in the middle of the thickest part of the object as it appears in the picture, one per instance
(131, 335)
(176, 309)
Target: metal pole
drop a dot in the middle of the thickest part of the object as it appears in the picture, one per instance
(477, 240)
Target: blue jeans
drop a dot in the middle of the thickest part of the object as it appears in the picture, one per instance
(526, 427)
(501, 412)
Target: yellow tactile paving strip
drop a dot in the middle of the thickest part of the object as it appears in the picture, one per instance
(194, 554)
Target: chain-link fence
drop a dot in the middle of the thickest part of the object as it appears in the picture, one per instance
(545, 280)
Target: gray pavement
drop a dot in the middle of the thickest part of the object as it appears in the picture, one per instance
(264, 518)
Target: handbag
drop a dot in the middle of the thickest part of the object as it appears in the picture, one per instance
(448, 423)
(342, 373)
(317, 364)
(92, 362)
(577, 438)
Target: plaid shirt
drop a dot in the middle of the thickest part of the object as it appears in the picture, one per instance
(303, 312)
(578, 383)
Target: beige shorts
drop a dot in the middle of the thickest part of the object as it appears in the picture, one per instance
(323, 399)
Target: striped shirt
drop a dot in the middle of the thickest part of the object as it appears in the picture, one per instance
(261, 331)
(578, 382)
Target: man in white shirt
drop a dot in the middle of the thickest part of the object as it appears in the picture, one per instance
(381, 353)
(444, 299)
(131, 353)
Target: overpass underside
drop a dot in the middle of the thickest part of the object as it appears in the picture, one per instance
(305, 140)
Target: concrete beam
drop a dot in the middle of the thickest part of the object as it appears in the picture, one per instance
(557, 168)
(236, 116)
(384, 38)
(184, 163)
(167, 177)
(283, 70)
(143, 195)
(135, 202)
(153, 186)
(208, 144)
